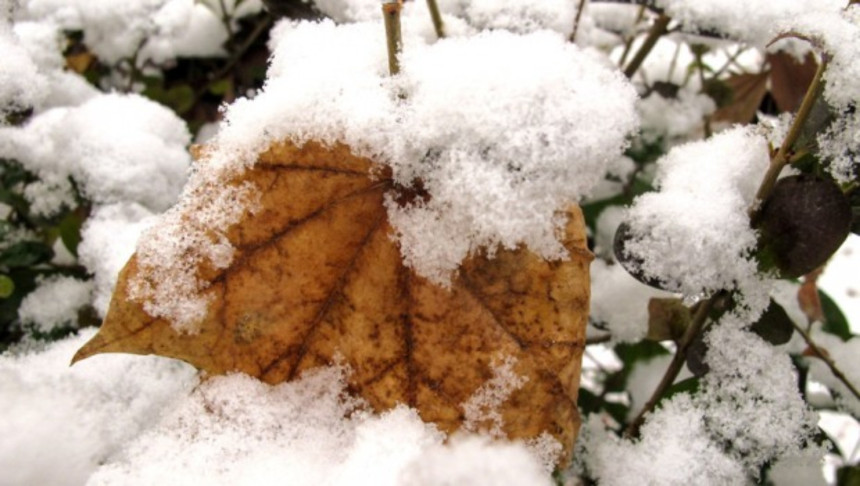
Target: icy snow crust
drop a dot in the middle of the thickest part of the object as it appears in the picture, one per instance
(501, 137)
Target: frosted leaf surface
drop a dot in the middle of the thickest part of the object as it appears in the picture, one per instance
(60, 423)
(694, 234)
(108, 145)
(481, 409)
(55, 303)
(501, 139)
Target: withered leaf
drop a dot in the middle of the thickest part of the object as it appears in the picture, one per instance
(747, 92)
(317, 277)
(790, 79)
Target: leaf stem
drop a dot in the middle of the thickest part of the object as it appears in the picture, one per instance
(695, 327)
(579, 10)
(391, 14)
(657, 31)
(827, 360)
(438, 25)
(779, 161)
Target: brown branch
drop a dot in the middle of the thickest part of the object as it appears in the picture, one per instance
(576, 20)
(657, 31)
(779, 161)
(603, 338)
(438, 26)
(695, 327)
(391, 14)
(628, 43)
(820, 353)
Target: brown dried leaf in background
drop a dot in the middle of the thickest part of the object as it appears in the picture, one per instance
(790, 79)
(748, 91)
(317, 277)
(808, 298)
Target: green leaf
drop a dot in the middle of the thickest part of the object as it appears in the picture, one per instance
(834, 320)
(179, 98)
(848, 476)
(70, 230)
(25, 254)
(221, 87)
(630, 354)
(854, 197)
(690, 385)
(7, 286)
(774, 326)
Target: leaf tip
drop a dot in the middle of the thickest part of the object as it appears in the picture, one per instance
(92, 347)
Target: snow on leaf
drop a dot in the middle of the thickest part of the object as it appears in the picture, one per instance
(316, 275)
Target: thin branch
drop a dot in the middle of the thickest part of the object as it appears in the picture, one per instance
(603, 338)
(657, 31)
(579, 10)
(779, 161)
(225, 19)
(820, 353)
(237, 56)
(438, 26)
(628, 44)
(391, 14)
(675, 366)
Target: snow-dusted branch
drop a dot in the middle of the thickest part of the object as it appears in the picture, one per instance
(391, 13)
(693, 330)
(824, 356)
(657, 31)
(781, 158)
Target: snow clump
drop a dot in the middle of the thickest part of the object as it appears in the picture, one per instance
(502, 139)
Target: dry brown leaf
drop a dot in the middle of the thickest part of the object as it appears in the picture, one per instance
(747, 92)
(790, 79)
(317, 277)
(808, 299)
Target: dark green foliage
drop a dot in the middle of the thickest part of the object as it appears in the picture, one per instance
(774, 326)
(802, 224)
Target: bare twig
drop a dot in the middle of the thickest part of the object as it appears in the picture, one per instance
(225, 19)
(657, 31)
(438, 26)
(628, 44)
(603, 338)
(675, 366)
(781, 158)
(579, 10)
(237, 56)
(391, 14)
(821, 354)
